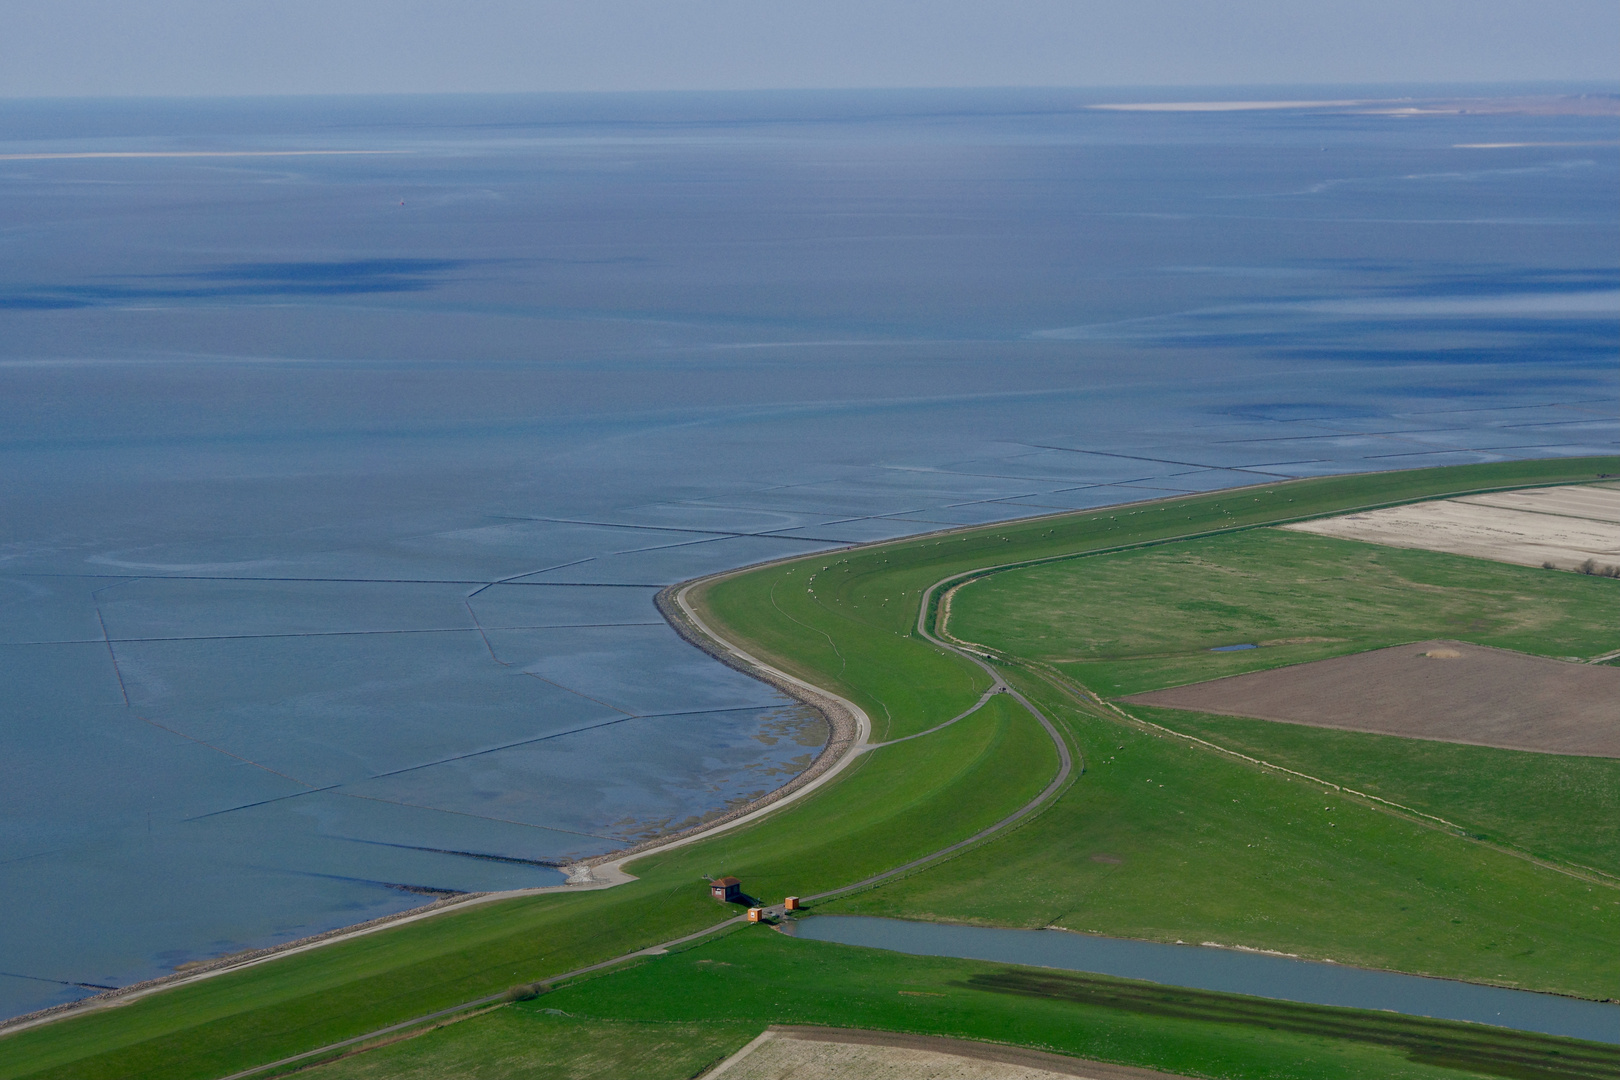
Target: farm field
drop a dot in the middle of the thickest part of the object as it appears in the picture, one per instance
(1280, 847)
(1445, 690)
(1566, 528)
(1350, 883)
(1165, 840)
(527, 1043)
(1524, 801)
(1142, 620)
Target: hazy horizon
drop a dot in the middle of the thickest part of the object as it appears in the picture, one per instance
(188, 48)
(1235, 91)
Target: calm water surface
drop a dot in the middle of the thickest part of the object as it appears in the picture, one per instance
(1228, 971)
(337, 486)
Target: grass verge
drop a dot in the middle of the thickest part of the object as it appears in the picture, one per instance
(539, 1044)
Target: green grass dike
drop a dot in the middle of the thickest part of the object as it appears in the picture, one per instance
(1156, 837)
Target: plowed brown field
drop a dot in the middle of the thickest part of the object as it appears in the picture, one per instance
(1443, 690)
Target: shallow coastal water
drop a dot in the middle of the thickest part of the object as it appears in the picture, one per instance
(1229, 971)
(338, 486)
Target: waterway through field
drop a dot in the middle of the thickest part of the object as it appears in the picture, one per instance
(1231, 971)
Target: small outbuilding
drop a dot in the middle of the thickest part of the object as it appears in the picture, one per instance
(728, 889)
(790, 904)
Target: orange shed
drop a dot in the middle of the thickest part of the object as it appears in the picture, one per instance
(790, 904)
(756, 914)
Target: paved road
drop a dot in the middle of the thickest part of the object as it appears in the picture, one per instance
(997, 686)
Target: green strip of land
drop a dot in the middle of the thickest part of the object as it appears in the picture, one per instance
(711, 999)
(1373, 887)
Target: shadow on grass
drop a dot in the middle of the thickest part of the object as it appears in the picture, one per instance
(1519, 1055)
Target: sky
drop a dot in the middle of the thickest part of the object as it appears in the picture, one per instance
(96, 48)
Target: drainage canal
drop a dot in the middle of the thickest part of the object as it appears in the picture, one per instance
(1229, 971)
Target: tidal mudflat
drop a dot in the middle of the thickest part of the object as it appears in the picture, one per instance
(338, 486)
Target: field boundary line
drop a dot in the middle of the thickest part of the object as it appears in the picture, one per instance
(1418, 817)
(967, 577)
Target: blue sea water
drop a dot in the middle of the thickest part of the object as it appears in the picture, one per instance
(344, 443)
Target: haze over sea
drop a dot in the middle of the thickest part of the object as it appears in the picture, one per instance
(345, 442)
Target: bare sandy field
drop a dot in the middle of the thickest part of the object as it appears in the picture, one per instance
(803, 1053)
(1442, 690)
(1564, 526)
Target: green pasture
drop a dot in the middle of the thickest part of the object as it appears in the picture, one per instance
(532, 1043)
(1166, 841)
(1141, 620)
(852, 629)
(1555, 807)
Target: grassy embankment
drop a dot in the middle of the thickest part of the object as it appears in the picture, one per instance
(527, 1042)
(894, 805)
(678, 1013)
(850, 629)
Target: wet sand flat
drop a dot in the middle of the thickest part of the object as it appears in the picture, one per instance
(1447, 691)
(1564, 526)
(845, 1054)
